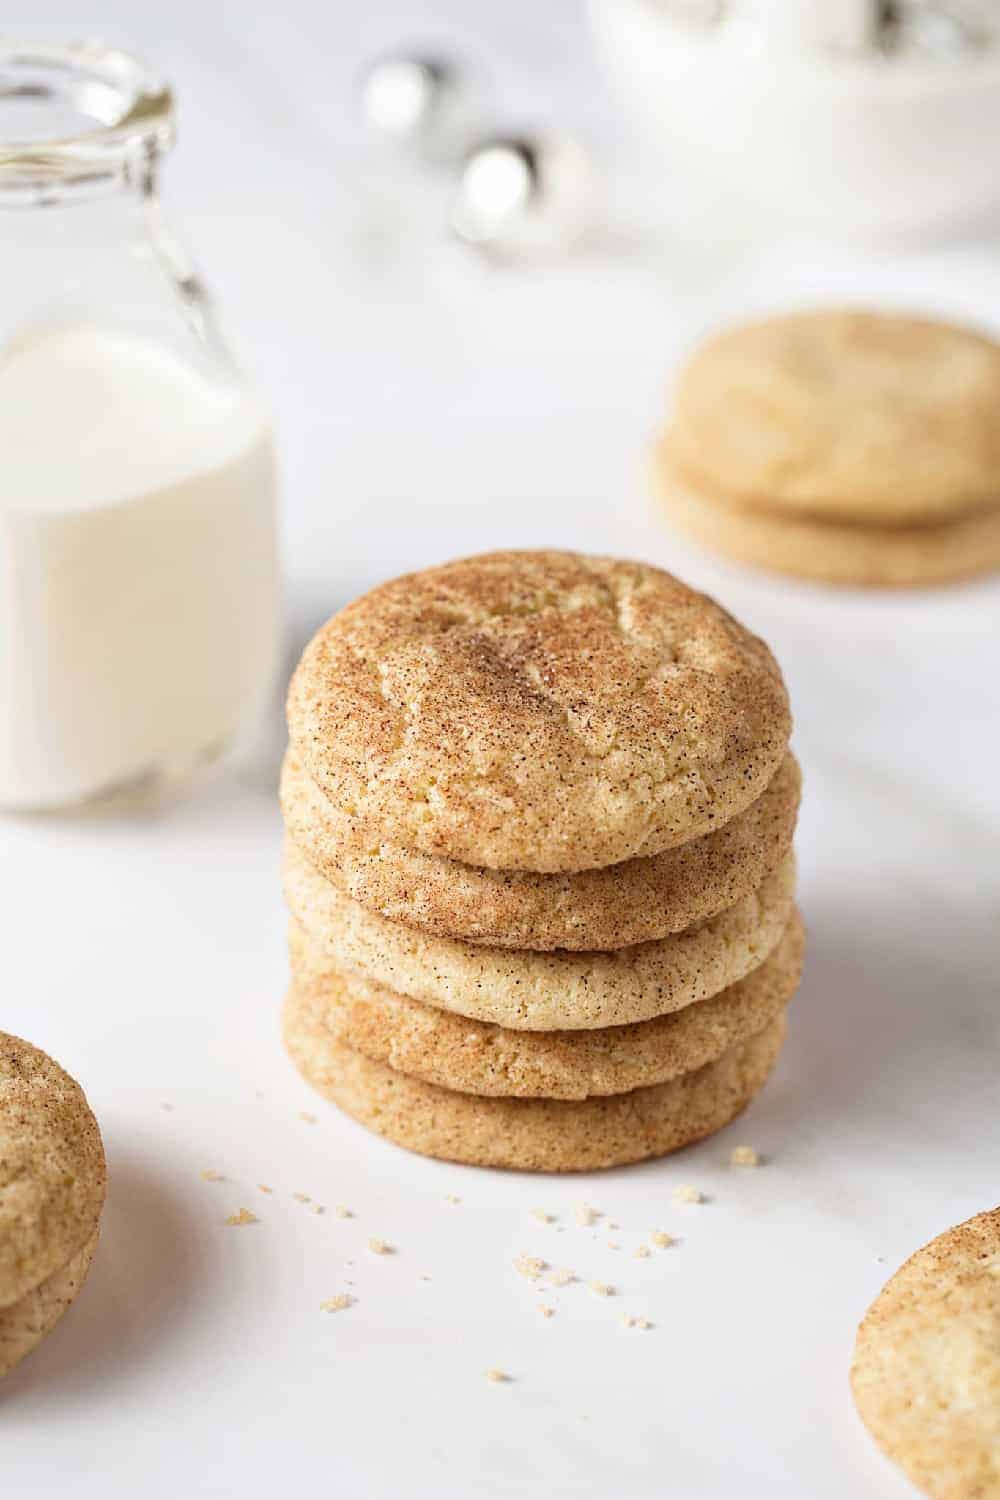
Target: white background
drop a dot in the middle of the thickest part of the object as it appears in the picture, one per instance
(428, 407)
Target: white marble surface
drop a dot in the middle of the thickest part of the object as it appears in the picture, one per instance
(428, 408)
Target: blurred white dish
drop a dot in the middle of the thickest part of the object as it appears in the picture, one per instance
(854, 143)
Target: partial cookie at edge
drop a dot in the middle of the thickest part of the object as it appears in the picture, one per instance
(636, 901)
(52, 1169)
(24, 1324)
(540, 1135)
(926, 1369)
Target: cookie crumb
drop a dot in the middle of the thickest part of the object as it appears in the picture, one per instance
(262, 1187)
(497, 1377)
(688, 1194)
(317, 1208)
(562, 1277)
(613, 1245)
(243, 1217)
(338, 1303)
(546, 1311)
(642, 1253)
(601, 1289)
(210, 1175)
(542, 1216)
(423, 1277)
(629, 1322)
(744, 1156)
(302, 1197)
(452, 1198)
(529, 1266)
(586, 1216)
(342, 1212)
(380, 1247)
(661, 1239)
(305, 1115)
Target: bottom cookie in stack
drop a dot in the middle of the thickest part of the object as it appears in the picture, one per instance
(52, 1185)
(557, 1101)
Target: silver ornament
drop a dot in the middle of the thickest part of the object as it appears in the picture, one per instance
(418, 104)
(524, 196)
(947, 31)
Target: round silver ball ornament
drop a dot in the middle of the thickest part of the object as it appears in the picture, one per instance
(523, 196)
(419, 104)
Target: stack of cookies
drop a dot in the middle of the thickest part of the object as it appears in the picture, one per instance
(856, 447)
(52, 1182)
(539, 810)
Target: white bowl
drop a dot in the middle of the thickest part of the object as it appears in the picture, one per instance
(863, 146)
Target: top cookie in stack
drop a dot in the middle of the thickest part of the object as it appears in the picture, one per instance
(496, 767)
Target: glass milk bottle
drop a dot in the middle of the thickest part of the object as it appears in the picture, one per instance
(139, 614)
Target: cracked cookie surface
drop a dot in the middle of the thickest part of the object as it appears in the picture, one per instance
(538, 711)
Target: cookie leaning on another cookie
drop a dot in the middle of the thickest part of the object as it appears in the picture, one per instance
(926, 1370)
(636, 901)
(52, 1186)
(538, 711)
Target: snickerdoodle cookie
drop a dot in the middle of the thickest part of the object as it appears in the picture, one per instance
(476, 1057)
(538, 711)
(834, 551)
(852, 446)
(52, 1184)
(926, 1371)
(846, 414)
(632, 902)
(541, 991)
(25, 1323)
(542, 1135)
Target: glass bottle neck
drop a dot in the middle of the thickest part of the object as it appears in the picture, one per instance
(83, 130)
(76, 122)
